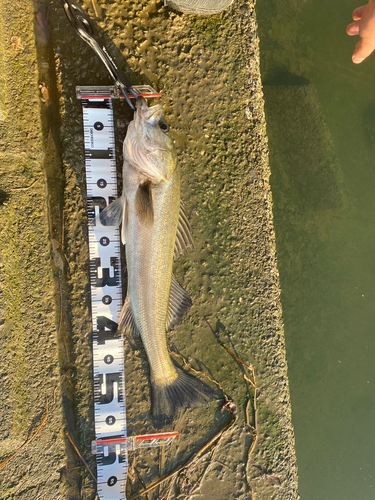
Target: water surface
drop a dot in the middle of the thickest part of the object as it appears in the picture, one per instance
(320, 110)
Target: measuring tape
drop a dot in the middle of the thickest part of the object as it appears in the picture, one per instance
(112, 443)
(106, 295)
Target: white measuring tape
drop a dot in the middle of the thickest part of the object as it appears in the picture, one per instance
(106, 297)
(111, 444)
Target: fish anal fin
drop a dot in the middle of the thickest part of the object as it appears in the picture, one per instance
(126, 321)
(143, 203)
(179, 304)
(184, 238)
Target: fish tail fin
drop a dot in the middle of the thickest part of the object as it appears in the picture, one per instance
(184, 392)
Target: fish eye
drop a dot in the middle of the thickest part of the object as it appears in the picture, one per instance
(164, 126)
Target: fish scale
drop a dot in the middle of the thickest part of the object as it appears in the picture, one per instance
(154, 249)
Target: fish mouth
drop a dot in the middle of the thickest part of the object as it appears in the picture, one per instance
(141, 103)
(151, 114)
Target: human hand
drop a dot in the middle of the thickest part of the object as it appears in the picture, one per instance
(364, 26)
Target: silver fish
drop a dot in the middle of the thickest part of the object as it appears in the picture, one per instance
(155, 230)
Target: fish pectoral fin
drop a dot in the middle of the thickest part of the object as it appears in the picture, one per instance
(126, 321)
(179, 304)
(112, 214)
(184, 237)
(144, 207)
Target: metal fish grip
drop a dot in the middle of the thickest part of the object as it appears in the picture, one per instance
(85, 28)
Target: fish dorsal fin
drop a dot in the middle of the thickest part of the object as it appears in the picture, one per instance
(179, 304)
(113, 213)
(127, 322)
(143, 203)
(184, 238)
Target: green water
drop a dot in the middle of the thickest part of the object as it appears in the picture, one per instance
(320, 111)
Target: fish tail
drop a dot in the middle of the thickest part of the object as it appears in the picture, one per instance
(185, 392)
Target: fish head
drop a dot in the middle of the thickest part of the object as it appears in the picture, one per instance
(147, 145)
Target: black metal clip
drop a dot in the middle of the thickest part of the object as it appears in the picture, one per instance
(81, 22)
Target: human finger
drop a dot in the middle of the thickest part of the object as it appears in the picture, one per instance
(362, 50)
(352, 29)
(357, 13)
